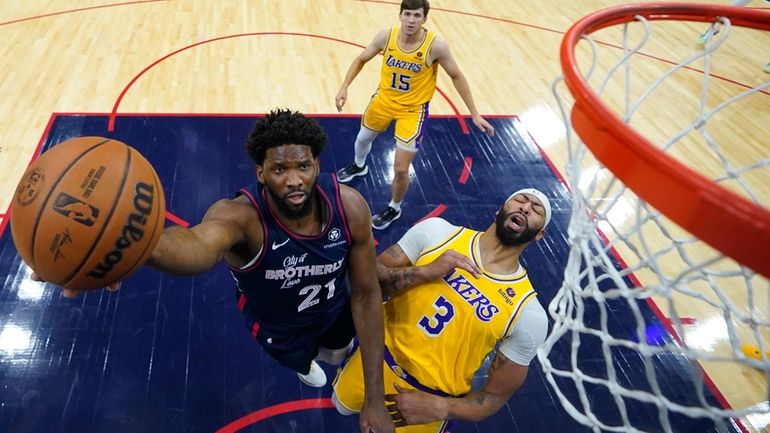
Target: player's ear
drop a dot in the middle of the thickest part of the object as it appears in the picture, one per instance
(260, 174)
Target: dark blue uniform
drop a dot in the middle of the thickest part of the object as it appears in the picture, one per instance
(295, 293)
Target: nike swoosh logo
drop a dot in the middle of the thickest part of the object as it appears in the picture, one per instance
(276, 246)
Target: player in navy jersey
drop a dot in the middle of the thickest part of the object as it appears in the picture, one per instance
(291, 241)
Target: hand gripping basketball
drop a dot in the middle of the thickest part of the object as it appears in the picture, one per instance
(114, 287)
(87, 213)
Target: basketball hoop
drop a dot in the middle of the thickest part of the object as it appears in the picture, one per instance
(645, 225)
(692, 201)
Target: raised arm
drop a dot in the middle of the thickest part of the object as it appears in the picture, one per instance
(371, 50)
(396, 272)
(417, 407)
(183, 251)
(440, 53)
(366, 304)
(395, 266)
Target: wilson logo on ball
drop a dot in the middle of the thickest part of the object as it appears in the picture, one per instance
(133, 230)
(75, 209)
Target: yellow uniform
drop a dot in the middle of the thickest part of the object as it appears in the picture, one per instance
(407, 84)
(438, 334)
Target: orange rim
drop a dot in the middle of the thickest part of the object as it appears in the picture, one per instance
(688, 198)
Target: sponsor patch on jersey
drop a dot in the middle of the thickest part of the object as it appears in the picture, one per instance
(507, 294)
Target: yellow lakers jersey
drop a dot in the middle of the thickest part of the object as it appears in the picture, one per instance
(441, 332)
(405, 77)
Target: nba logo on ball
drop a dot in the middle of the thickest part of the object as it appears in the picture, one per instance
(88, 213)
(79, 211)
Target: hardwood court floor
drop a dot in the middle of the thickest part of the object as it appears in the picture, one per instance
(246, 57)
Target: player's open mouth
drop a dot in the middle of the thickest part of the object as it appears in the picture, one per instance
(296, 198)
(516, 222)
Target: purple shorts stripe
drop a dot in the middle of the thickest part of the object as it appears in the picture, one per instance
(411, 380)
(422, 127)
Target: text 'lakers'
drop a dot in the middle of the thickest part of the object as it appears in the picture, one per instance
(485, 309)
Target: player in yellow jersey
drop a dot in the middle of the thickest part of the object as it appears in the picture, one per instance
(411, 55)
(454, 294)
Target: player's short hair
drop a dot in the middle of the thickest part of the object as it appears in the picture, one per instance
(411, 5)
(281, 127)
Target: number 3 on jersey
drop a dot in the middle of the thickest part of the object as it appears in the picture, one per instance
(445, 312)
(399, 82)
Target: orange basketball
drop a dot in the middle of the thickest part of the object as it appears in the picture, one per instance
(87, 213)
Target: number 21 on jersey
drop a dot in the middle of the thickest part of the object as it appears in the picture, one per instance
(312, 295)
(445, 312)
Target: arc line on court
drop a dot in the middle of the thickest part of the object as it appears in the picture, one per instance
(71, 11)
(111, 122)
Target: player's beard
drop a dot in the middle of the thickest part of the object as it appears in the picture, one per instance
(509, 237)
(290, 211)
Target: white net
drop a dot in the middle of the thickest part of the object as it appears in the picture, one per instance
(653, 330)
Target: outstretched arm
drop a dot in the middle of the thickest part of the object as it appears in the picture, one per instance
(371, 50)
(183, 251)
(440, 53)
(416, 407)
(366, 304)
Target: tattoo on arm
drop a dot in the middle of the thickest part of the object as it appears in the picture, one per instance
(484, 402)
(482, 398)
(394, 251)
(393, 280)
(497, 362)
(474, 407)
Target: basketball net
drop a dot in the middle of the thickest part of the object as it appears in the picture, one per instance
(654, 239)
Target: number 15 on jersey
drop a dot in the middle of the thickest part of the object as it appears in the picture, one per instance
(399, 82)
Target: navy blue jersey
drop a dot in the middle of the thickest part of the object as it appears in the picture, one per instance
(297, 281)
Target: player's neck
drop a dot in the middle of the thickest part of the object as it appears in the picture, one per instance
(408, 42)
(496, 257)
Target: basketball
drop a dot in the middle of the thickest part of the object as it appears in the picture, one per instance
(87, 213)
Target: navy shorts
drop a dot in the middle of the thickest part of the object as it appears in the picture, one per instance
(296, 347)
